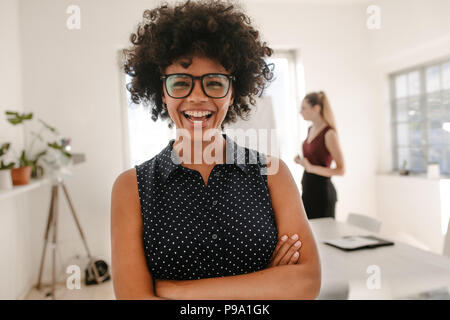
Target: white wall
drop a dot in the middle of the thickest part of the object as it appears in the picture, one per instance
(11, 70)
(412, 32)
(14, 213)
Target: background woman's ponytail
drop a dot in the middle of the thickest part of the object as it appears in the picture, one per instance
(321, 99)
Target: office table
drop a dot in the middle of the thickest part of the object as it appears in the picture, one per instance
(403, 270)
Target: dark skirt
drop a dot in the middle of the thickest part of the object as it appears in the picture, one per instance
(318, 195)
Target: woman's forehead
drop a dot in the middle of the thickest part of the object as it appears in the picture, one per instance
(195, 64)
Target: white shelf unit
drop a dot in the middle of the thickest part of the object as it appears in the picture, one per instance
(34, 183)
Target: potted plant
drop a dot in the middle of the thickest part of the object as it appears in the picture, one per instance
(5, 168)
(29, 165)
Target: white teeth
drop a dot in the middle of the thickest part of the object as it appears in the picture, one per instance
(198, 113)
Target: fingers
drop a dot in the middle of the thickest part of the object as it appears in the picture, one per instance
(277, 248)
(287, 248)
(279, 244)
(294, 259)
(290, 253)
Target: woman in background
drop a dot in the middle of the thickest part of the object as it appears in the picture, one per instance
(319, 149)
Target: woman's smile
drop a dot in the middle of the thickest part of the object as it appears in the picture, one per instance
(198, 118)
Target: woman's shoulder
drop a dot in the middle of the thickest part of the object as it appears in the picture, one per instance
(277, 171)
(253, 156)
(330, 132)
(125, 180)
(125, 196)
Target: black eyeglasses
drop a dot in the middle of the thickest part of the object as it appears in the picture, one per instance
(214, 85)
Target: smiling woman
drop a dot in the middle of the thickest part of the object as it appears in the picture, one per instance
(184, 229)
(207, 29)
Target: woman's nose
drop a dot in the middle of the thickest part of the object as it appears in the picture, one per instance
(197, 93)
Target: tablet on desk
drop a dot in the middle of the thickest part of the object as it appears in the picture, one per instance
(349, 243)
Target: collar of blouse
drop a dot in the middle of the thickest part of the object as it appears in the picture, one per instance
(169, 161)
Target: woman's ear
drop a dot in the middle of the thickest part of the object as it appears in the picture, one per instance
(232, 97)
(163, 98)
(162, 94)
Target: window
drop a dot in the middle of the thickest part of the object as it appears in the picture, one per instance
(285, 92)
(146, 137)
(421, 117)
(278, 111)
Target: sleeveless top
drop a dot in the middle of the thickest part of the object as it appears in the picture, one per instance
(316, 152)
(194, 231)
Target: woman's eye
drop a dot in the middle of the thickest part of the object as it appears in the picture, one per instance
(215, 84)
(180, 84)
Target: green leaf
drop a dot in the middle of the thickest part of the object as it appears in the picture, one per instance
(52, 129)
(3, 148)
(67, 154)
(16, 118)
(24, 161)
(54, 145)
(40, 154)
(4, 166)
(14, 121)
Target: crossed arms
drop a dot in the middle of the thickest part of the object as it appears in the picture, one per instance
(285, 280)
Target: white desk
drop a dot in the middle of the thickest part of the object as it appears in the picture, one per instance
(404, 270)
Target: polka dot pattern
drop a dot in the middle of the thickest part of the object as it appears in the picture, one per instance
(192, 230)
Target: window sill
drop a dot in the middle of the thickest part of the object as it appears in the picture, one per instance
(420, 176)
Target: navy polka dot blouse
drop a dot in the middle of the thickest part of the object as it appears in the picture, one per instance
(194, 231)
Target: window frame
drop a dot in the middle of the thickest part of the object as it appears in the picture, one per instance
(425, 120)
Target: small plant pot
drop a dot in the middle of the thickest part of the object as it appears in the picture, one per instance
(5, 179)
(21, 176)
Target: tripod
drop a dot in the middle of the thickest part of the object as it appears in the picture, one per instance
(52, 224)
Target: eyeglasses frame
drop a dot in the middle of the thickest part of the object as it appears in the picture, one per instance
(229, 76)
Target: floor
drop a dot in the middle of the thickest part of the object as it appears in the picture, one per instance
(103, 291)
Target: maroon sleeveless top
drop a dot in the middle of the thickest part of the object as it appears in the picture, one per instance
(316, 152)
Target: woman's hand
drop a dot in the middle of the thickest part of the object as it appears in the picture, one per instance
(306, 164)
(297, 159)
(286, 252)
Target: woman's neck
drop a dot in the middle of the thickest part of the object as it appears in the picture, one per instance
(202, 153)
(319, 123)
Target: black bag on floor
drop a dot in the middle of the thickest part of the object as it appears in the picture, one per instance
(102, 270)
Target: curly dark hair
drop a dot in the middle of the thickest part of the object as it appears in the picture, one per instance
(211, 28)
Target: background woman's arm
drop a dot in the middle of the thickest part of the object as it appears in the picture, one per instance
(300, 281)
(332, 144)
